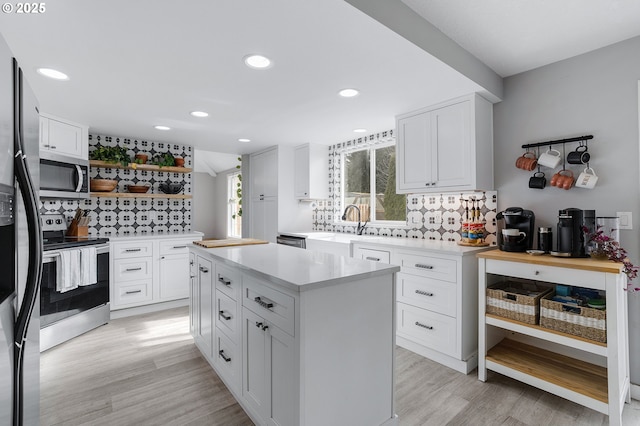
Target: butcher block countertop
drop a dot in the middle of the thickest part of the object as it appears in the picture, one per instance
(586, 264)
(294, 268)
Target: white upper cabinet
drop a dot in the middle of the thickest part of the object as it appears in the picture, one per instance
(63, 137)
(446, 147)
(311, 172)
(264, 174)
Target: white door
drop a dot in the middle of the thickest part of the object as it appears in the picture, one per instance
(451, 144)
(65, 139)
(414, 153)
(194, 303)
(281, 379)
(254, 352)
(205, 310)
(301, 172)
(174, 276)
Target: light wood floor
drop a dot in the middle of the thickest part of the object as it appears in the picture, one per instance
(145, 370)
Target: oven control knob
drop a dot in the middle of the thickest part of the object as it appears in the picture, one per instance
(58, 221)
(49, 222)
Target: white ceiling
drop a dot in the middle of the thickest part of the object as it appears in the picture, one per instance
(513, 36)
(135, 64)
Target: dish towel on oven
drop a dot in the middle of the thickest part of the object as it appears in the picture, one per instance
(68, 270)
(88, 268)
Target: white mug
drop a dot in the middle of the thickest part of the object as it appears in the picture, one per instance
(549, 159)
(587, 179)
(513, 235)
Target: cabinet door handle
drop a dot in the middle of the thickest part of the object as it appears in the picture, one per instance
(191, 262)
(133, 250)
(222, 355)
(433, 183)
(179, 247)
(204, 270)
(267, 305)
(133, 292)
(428, 327)
(261, 325)
(427, 184)
(223, 281)
(421, 266)
(423, 293)
(52, 146)
(225, 317)
(47, 146)
(133, 269)
(193, 276)
(375, 259)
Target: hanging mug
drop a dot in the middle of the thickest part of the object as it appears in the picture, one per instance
(537, 181)
(550, 158)
(527, 161)
(587, 179)
(579, 156)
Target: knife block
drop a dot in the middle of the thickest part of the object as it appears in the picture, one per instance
(75, 230)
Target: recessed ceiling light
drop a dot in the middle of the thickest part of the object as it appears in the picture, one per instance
(244, 140)
(199, 114)
(348, 93)
(257, 61)
(360, 130)
(51, 73)
(162, 127)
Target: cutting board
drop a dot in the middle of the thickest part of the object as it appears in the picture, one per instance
(229, 242)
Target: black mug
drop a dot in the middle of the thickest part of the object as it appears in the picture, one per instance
(537, 181)
(579, 156)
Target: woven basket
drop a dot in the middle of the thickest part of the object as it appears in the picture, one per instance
(580, 321)
(513, 305)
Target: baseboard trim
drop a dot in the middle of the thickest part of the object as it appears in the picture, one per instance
(146, 309)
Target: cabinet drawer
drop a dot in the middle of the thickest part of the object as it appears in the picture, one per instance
(228, 281)
(228, 360)
(427, 328)
(272, 305)
(227, 312)
(373, 255)
(131, 249)
(175, 246)
(132, 269)
(434, 295)
(137, 293)
(428, 266)
(550, 274)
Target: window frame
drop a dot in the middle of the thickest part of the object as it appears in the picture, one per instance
(233, 206)
(372, 185)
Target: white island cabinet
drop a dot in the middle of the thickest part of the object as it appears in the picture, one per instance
(299, 338)
(584, 371)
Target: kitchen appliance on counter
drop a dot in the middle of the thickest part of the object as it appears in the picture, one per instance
(68, 308)
(63, 177)
(20, 247)
(515, 219)
(572, 223)
(292, 240)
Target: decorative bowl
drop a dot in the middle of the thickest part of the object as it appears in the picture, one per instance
(138, 189)
(171, 188)
(142, 157)
(179, 161)
(102, 185)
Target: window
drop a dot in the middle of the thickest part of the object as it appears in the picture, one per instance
(234, 210)
(370, 183)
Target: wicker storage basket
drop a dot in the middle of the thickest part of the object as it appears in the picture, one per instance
(516, 300)
(580, 321)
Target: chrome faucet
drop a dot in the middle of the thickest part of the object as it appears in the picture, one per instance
(360, 226)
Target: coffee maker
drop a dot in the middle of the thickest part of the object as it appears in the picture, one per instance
(519, 219)
(572, 225)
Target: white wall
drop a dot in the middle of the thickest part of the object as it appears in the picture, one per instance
(204, 204)
(595, 93)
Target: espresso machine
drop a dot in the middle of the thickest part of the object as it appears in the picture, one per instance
(521, 220)
(572, 225)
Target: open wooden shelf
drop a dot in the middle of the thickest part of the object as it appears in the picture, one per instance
(134, 166)
(565, 372)
(133, 195)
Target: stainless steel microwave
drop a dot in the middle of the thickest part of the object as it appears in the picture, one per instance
(63, 177)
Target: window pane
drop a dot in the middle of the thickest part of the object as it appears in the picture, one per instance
(234, 228)
(389, 205)
(357, 184)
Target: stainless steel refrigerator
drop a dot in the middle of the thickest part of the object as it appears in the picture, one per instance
(20, 247)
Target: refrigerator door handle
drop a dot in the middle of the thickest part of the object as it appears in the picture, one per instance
(34, 274)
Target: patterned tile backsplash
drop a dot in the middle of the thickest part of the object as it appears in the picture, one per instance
(133, 216)
(429, 216)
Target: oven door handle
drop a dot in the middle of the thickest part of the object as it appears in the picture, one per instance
(80, 178)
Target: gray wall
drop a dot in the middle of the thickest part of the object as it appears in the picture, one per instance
(595, 93)
(204, 204)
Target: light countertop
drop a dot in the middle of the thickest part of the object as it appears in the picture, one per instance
(448, 247)
(294, 268)
(196, 235)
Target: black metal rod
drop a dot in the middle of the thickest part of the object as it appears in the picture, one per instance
(556, 142)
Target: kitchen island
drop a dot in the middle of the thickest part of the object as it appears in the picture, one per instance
(299, 338)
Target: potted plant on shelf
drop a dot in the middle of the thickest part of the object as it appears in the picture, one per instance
(111, 154)
(164, 160)
(605, 247)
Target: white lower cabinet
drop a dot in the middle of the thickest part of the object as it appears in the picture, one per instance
(437, 299)
(194, 299)
(204, 334)
(148, 271)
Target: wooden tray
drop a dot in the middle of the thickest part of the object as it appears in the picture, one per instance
(461, 243)
(229, 242)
